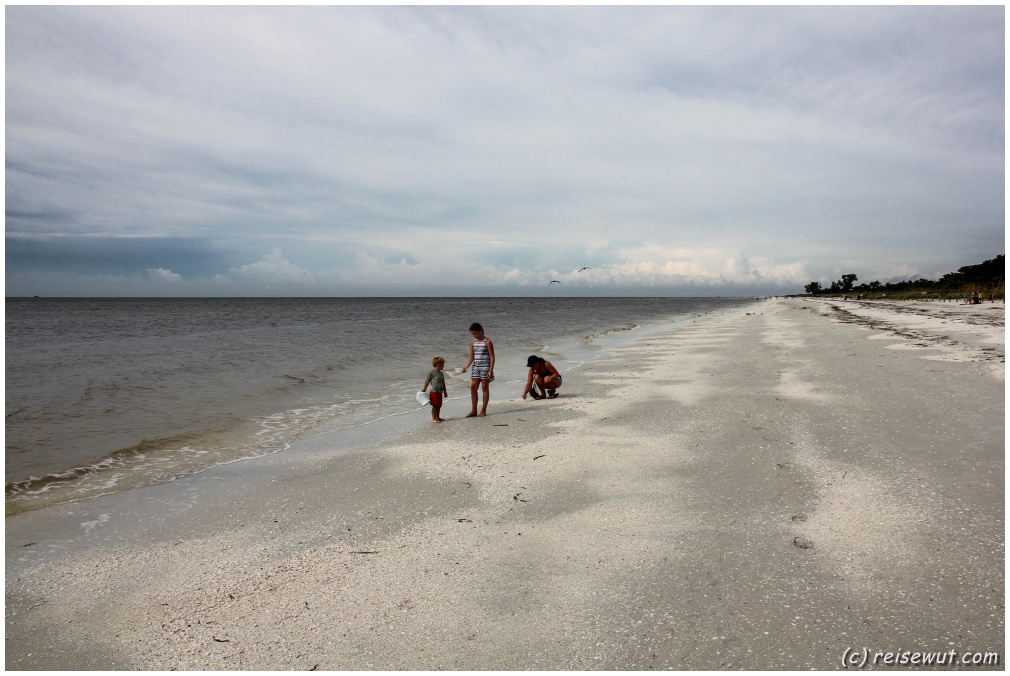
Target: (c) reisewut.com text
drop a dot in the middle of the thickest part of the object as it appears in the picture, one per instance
(862, 657)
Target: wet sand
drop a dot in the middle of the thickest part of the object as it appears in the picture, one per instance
(761, 489)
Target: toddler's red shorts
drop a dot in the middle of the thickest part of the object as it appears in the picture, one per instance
(436, 398)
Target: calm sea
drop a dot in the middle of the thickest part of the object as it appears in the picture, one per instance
(106, 395)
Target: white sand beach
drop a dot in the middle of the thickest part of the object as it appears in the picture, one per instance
(763, 488)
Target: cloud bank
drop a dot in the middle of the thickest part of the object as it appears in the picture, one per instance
(467, 151)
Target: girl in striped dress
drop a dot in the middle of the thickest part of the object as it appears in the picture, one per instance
(482, 358)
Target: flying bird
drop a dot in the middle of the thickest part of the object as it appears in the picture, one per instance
(553, 281)
(585, 268)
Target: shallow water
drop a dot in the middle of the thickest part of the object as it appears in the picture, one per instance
(108, 394)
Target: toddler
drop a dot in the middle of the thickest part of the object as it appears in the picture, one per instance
(437, 381)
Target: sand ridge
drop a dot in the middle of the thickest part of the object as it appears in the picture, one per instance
(952, 331)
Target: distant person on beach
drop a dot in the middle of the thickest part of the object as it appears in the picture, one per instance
(543, 375)
(437, 381)
(482, 358)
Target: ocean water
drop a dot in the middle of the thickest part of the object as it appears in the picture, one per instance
(106, 395)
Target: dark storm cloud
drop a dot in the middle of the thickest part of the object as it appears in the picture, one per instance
(111, 255)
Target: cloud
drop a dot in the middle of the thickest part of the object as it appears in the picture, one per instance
(112, 255)
(163, 275)
(414, 149)
(273, 266)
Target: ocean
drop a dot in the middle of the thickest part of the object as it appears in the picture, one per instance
(109, 394)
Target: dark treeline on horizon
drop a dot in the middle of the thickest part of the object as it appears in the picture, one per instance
(989, 275)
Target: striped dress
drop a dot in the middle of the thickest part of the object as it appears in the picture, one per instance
(481, 360)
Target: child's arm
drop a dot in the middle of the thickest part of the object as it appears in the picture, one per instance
(425, 388)
(490, 351)
(470, 360)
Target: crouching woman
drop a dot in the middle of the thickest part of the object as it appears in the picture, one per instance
(543, 380)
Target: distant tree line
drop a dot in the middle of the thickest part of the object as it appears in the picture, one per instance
(988, 275)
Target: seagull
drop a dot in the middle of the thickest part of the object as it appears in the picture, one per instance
(553, 281)
(585, 268)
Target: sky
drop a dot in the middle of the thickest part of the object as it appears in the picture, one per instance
(468, 151)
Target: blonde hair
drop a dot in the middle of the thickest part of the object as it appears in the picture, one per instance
(437, 360)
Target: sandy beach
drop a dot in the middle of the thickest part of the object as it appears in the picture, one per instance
(762, 488)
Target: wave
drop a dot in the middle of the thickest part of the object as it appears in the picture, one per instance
(156, 461)
(149, 462)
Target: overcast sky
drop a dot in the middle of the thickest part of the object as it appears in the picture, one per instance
(470, 151)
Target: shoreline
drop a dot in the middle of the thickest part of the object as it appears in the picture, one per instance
(159, 455)
(757, 488)
(79, 524)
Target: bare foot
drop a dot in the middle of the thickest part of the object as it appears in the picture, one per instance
(551, 394)
(437, 421)
(471, 414)
(481, 414)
